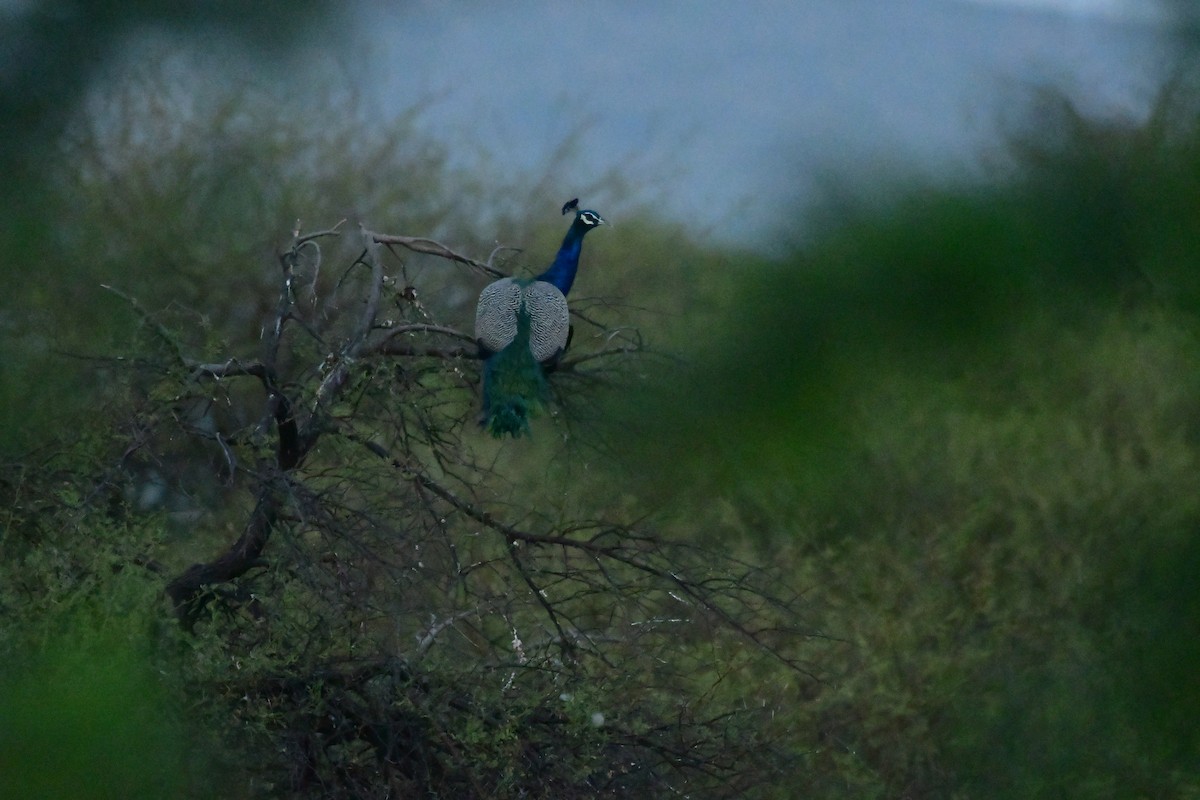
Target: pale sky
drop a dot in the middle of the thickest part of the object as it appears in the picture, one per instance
(750, 106)
(740, 112)
(1125, 9)
(1118, 9)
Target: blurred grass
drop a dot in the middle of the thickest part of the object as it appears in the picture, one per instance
(1090, 215)
(91, 696)
(89, 721)
(965, 421)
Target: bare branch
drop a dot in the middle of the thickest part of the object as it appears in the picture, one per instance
(335, 380)
(374, 293)
(568, 364)
(429, 247)
(421, 327)
(435, 630)
(298, 240)
(618, 552)
(230, 368)
(500, 248)
(445, 353)
(185, 591)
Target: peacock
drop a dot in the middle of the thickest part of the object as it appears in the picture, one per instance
(522, 327)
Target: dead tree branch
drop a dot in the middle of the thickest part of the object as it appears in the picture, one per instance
(429, 247)
(299, 412)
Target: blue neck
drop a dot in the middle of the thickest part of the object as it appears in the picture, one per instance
(562, 272)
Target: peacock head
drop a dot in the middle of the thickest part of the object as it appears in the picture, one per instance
(587, 218)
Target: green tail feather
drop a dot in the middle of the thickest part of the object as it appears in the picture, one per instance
(514, 385)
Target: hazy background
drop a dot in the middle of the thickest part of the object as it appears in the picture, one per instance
(745, 107)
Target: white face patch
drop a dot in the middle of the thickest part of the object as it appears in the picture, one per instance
(591, 218)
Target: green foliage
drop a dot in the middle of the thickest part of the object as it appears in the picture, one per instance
(85, 717)
(961, 424)
(929, 279)
(966, 421)
(90, 693)
(991, 552)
